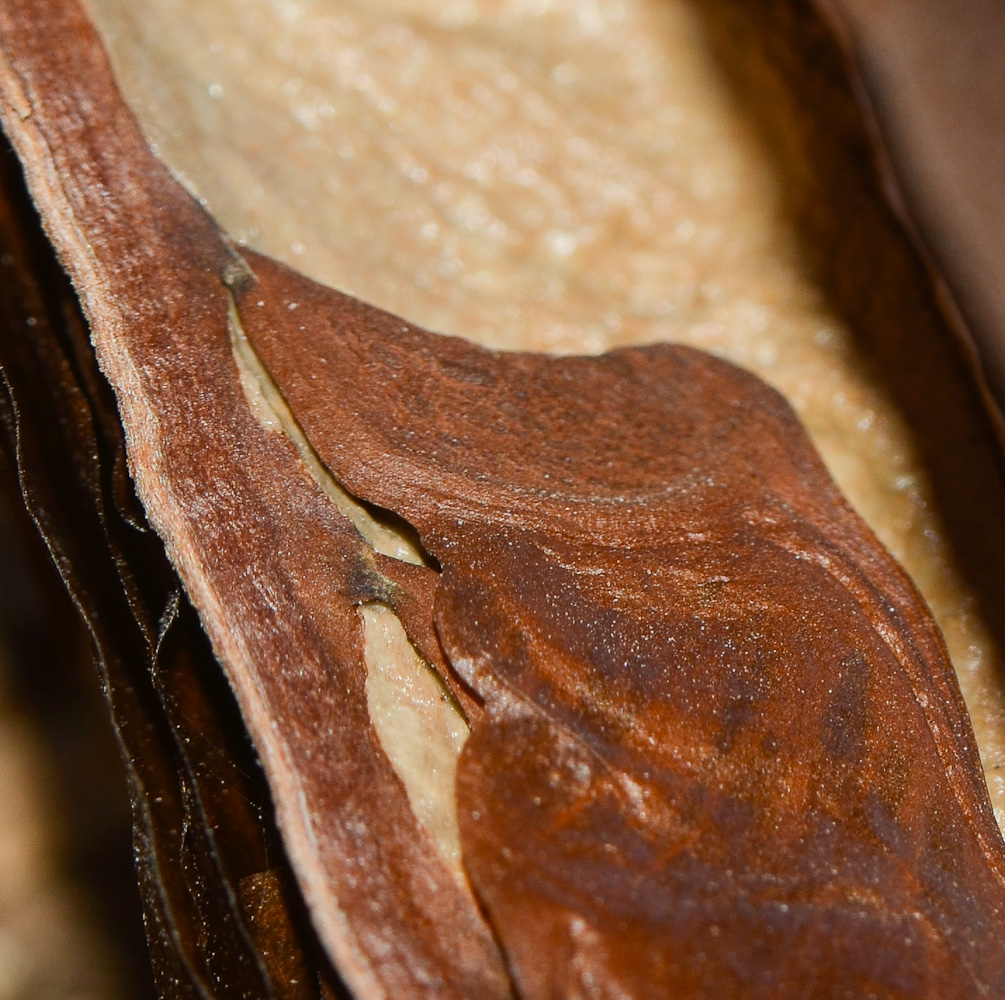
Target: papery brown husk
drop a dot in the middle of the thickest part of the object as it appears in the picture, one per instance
(203, 828)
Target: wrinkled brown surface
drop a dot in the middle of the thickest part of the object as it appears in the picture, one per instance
(722, 750)
(717, 188)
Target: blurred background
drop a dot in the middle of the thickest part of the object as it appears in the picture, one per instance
(70, 920)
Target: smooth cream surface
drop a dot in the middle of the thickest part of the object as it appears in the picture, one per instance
(556, 175)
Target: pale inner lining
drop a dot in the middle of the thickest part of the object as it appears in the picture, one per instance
(420, 726)
(561, 175)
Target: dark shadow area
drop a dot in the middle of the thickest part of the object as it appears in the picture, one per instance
(792, 81)
(53, 685)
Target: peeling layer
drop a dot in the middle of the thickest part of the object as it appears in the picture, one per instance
(270, 409)
(546, 175)
(746, 721)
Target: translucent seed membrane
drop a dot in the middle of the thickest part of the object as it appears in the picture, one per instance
(556, 175)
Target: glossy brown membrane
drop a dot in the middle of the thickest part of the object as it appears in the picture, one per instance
(723, 751)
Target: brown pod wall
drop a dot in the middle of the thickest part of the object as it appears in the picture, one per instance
(254, 481)
(935, 85)
(208, 857)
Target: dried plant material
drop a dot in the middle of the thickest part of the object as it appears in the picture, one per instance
(271, 411)
(201, 811)
(716, 746)
(419, 724)
(723, 749)
(936, 80)
(540, 176)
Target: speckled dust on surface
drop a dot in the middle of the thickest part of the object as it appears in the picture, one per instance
(558, 175)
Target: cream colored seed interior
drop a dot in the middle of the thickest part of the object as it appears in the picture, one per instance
(419, 725)
(558, 175)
